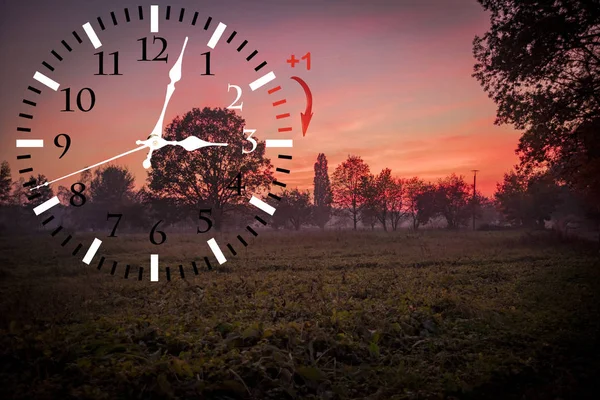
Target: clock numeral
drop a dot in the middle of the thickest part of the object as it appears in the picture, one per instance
(101, 63)
(66, 146)
(79, 102)
(234, 106)
(77, 194)
(237, 186)
(208, 221)
(250, 139)
(118, 217)
(207, 68)
(163, 42)
(163, 236)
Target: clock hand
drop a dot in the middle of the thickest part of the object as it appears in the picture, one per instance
(90, 167)
(175, 75)
(190, 143)
(194, 143)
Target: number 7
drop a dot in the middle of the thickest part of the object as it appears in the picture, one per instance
(118, 216)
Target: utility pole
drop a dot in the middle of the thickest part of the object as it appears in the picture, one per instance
(474, 193)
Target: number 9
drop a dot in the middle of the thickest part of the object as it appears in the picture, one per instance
(66, 146)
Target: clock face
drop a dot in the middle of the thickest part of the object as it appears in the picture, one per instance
(160, 124)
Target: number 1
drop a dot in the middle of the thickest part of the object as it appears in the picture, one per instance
(207, 54)
(307, 58)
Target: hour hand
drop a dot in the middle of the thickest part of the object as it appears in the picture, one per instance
(190, 143)
(194, 143)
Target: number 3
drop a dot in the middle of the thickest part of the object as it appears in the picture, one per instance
(239, 95)
(251, 140)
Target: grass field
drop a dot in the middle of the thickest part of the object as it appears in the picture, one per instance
(334, 315)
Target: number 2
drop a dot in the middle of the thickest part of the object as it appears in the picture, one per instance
(233, 106)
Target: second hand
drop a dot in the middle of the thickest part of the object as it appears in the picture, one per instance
(90, 167)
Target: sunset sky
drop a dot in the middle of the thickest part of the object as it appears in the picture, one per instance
(391, 82)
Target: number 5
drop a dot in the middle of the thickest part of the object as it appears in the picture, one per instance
(209, 223)
(239, 95)
(251, 140)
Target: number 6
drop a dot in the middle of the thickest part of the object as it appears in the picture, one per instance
(250, 139)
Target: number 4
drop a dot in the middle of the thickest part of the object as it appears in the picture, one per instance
(238, 187)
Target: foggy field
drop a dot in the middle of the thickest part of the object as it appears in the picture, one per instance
(334, 315)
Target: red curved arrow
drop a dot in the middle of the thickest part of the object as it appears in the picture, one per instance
(306, 115)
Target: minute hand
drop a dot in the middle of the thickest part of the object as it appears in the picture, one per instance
(175, 75)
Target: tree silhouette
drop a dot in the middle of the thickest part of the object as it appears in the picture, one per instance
(582, 167)
(111, 191)
(112, 185)
(527, 200)
(5, 182)
(346, 184)
(413, 188)
(390, 195)
(453, 195)
(427, 203)
(46, 192)
(540, 63)
(294, 208)
(370, 210)
(323, 196)
(64, 194)
(20, 194)
(207, 177)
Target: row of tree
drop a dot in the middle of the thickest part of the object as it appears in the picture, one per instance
(180, 183)
(522, 199)
(353, 194)
(382, 199)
